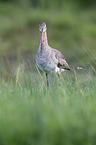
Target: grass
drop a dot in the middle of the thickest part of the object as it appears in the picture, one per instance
(31, 114)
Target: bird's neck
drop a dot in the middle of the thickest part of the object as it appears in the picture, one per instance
(43, 39)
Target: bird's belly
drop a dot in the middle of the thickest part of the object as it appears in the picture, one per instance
(45, 65)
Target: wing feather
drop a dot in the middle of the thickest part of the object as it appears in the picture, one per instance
(61, 60)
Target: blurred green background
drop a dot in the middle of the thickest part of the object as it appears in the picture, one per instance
(30, 113)
(71, 28)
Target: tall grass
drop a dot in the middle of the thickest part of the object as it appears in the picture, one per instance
(31, 113)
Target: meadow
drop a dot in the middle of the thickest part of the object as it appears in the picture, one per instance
(64, 113)
(31, 113)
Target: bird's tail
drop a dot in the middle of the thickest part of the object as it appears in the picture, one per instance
(67, 68)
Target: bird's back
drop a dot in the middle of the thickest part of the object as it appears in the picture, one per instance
(61, 62)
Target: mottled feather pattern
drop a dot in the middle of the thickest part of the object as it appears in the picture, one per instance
(49, 59)
(61, 60)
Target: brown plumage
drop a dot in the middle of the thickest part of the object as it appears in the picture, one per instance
(47, 58)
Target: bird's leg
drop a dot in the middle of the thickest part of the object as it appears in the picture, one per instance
(47, 80)
(58, 76)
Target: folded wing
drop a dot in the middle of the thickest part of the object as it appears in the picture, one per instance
(61, 60)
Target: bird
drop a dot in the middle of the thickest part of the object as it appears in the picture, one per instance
(49, 59)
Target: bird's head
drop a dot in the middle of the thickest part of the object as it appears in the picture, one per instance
(42, 27)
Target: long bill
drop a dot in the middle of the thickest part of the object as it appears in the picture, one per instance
(42, 36)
